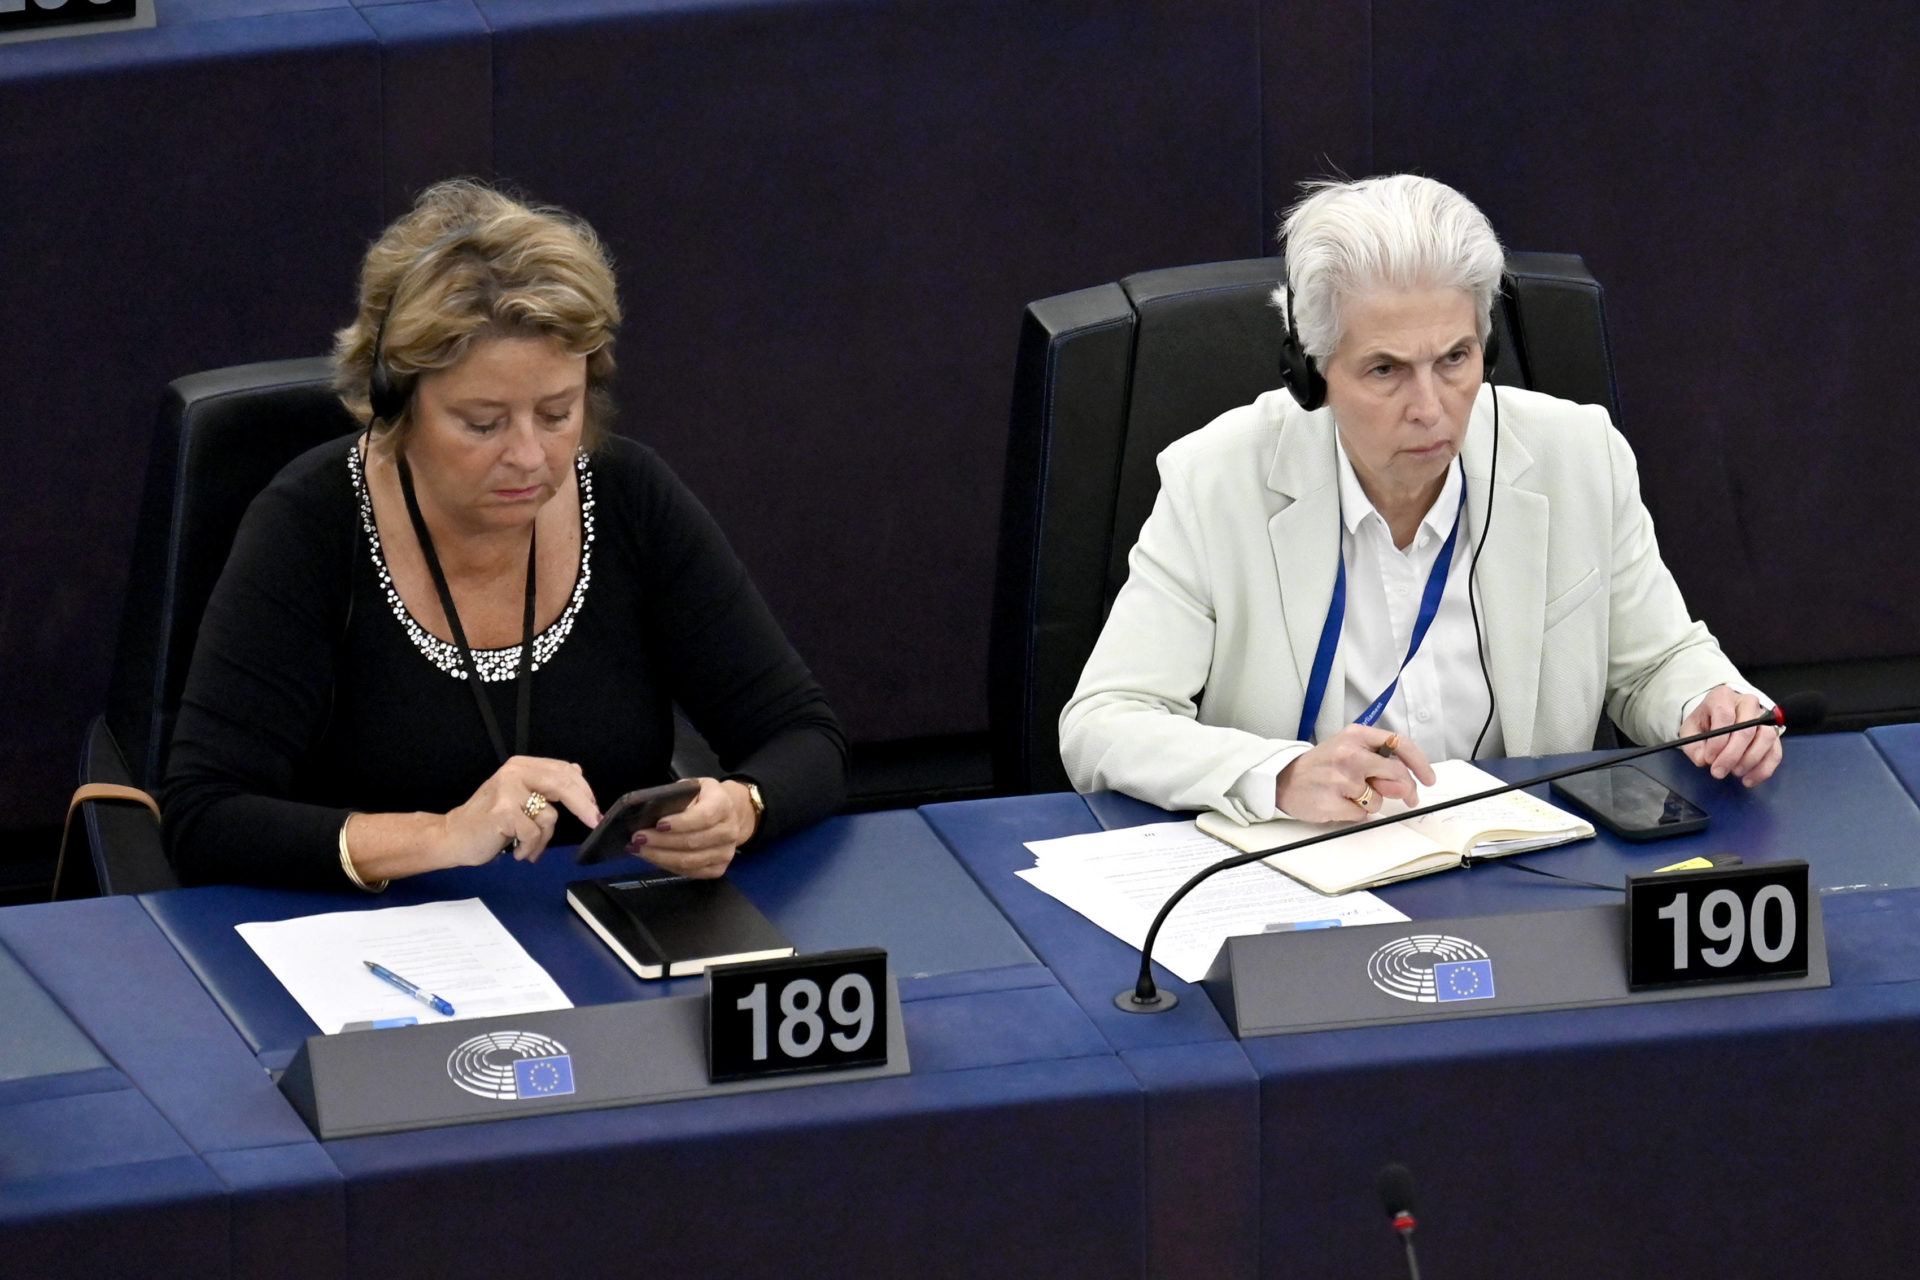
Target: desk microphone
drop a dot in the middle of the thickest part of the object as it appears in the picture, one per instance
(1396, 1197)
(1798, 713)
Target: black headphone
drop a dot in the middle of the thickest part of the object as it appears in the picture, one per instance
(387, 395)
(1300, 375)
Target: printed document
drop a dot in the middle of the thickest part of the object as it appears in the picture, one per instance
(458, 951)
(1120, 879)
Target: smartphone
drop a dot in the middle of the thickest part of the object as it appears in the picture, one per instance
(1632, 804)
(634, 811)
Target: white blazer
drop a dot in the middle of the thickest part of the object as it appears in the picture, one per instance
(1202, 667)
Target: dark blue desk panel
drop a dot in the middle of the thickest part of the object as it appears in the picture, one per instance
(1764, 1135)
(1029, 1170)
(1202, 1158)
(41, 1043)
(82, 1151)
(1616, 1133)
(1013, 1148)
(172, 1154)
(1899, 746)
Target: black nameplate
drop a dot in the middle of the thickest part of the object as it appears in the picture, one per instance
(604, 1055)
(822, 1012)
(1728, 924)
(32, 15)
(1463, 967)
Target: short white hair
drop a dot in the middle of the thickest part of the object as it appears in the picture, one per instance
(1402, 231)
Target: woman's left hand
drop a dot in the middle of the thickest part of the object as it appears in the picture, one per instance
(701, 839)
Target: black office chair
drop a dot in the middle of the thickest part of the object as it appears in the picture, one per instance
(221, 436)
(1107, 378)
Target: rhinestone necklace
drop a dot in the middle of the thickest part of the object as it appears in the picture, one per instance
(494, 664)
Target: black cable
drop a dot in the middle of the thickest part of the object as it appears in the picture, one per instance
(1473, 569)
(1551, 875)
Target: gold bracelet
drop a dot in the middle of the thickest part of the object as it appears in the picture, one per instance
(346, 863)
(759, 805)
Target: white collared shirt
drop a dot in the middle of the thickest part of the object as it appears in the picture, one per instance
(1442, 699)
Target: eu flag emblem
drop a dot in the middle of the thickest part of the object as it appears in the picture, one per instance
(1460, 980)
(543, 1077)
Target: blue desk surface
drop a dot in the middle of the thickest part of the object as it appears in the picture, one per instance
(1028, 1088)
(1592, 1142)
(878, 879)
(1835, 802)
(940, 1172)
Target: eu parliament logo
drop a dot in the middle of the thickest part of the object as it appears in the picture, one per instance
(511, 1066)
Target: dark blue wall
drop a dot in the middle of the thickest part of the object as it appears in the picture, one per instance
(1737, 177)
(170, 200)
(828, 214)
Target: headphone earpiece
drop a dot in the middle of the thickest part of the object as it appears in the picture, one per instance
(387, 396)
(1298, 373)
(1301, 376)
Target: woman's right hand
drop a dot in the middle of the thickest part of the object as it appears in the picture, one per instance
(1351, 775)
(496, 815)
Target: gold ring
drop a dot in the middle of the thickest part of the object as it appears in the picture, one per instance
(535, 806)
(1365, 798)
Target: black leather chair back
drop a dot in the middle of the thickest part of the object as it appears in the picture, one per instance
(222, 435)
(1107, 378)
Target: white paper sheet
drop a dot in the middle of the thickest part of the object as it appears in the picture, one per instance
(458, 951)
(1119, 879)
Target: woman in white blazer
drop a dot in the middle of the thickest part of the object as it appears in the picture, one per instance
(1202, 692)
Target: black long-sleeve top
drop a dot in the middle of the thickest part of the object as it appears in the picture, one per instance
(312, 693)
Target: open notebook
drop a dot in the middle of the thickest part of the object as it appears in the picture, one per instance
(1512, 823)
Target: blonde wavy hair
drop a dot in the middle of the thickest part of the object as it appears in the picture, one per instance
(466, 262)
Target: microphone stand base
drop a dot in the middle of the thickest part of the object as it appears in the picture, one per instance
(1161, 1002)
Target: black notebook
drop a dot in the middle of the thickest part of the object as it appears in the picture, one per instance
(673, 927)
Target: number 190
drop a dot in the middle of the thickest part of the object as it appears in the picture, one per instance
(1723, 919)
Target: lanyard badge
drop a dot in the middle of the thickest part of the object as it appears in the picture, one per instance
(1336, 618)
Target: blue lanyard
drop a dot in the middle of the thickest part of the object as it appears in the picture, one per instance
(1336, 617)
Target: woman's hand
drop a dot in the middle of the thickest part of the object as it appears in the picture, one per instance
(1351, 775)
(1750, 755)
(701, 839)
(497, 814)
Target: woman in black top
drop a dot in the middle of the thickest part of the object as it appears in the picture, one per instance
(331, 731)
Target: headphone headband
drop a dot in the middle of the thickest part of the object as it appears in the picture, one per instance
(387, 395)
(1300, 372)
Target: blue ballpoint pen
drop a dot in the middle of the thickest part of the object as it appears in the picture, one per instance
(393, 979)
